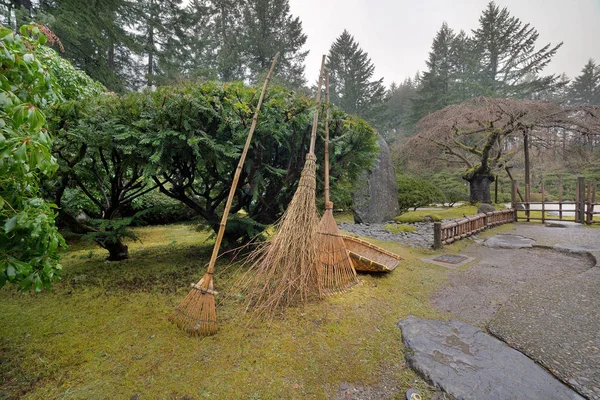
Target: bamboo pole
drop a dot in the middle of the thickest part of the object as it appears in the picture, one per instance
(327, 138)
(313, 134)
(238, 171)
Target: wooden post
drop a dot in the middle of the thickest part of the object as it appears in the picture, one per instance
(593, 201)
(580, 200)
(527, 201)
(560, 199)
(588, 219)
(526, 155)
(513, 199)
(543, 206)
(496, 190)
(437, 235)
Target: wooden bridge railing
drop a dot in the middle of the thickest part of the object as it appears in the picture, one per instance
(582, 210)
(448, 232)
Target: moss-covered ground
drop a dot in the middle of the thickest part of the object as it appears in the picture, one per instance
(102, 331)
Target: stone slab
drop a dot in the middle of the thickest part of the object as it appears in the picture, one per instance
(448, 265)
(469, 364)
(562, 224)
(576, 248)
(509, 242)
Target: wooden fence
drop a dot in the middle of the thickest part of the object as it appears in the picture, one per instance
(448, 232)
(582, 210)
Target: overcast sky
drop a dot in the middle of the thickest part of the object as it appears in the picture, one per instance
(397, 34)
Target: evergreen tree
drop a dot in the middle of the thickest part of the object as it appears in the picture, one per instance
(227, 39)
(585, 89)
(351, 71)
(396, 109)
(434, 91)
(268, 28)
(96, 40)
(161, 28)
(506, 49)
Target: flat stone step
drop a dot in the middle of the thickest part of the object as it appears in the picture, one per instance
(469, 364)
(508, 241)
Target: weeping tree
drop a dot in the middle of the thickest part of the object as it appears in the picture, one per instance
(483, 134)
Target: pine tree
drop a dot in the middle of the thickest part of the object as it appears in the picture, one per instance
(507, 54)
(96, 40)
(396, 109)
(435, 83)
(585, 89)
(161, 31)
(351, 71)
(227, 37)
(268, 28)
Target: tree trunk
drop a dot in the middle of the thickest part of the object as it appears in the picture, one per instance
(479, 185)
(117, 251)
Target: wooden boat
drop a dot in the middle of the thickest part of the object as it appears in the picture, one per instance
(367, 257)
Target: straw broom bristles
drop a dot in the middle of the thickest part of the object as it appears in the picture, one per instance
(196, 314)
(336, 271)
(283, 271)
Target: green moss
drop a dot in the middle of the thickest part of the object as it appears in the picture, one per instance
(102, 332)
(341, 217)
(397, 228)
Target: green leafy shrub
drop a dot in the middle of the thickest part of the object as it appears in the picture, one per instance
(397, 228)
(416, 192)
(29, 239)
(161, 210)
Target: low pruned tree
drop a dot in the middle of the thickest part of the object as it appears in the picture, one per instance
(483, 134)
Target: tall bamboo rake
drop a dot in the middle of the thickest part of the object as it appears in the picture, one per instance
(284, 271)
(337, 272)
(196, 314)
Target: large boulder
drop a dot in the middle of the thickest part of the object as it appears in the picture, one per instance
(375, 199)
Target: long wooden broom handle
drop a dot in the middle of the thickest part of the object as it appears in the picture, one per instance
(326, 138)
(238, 172)
(313, 135)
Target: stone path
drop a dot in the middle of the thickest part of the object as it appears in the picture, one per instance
(422, 237)
(469, 364)
(543, 301)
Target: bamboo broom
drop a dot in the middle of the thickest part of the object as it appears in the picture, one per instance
(196, 314)
(336, 271)
(284, 271)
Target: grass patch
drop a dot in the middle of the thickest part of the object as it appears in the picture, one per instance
(345, 216)
(102, 332)
(397, 228)
(464, 210)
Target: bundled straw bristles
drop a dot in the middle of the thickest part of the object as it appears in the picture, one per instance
(336, 271)
(283, 272)
(196, 313)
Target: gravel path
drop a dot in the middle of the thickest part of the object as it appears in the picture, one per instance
(422, 237)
